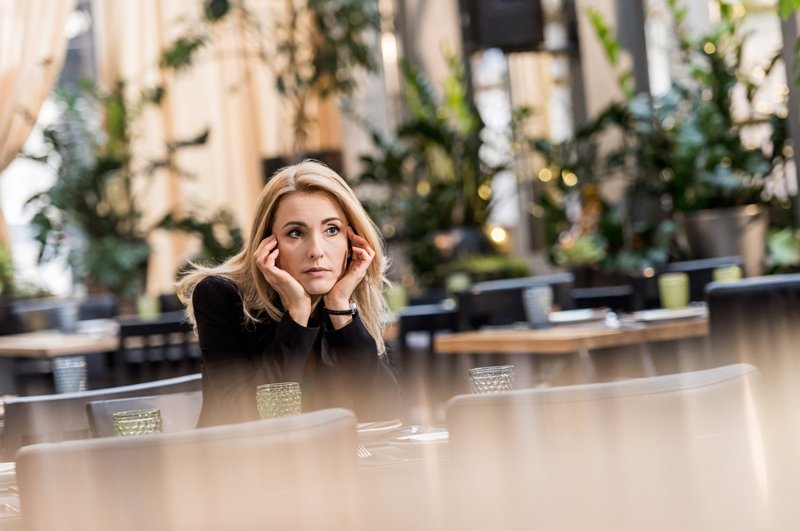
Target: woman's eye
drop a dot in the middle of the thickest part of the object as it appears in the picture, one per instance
(332, 231)
(295, 233)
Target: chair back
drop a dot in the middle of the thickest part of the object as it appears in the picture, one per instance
(499, 302)
(158, 349)
(255, 475)
(179, 411)
(700, 272)
(672, 452)
(757, 321)
(56, 418)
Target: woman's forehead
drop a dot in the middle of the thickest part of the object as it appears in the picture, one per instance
(309, 208)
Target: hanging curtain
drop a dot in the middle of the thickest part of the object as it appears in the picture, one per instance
(225, 91)
(32, 50)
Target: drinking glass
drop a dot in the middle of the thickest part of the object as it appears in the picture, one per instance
(278, 400)
(727, 274)
(490, 380)
(69, 373)
(538, 303)
(140, 422)
(673, 288)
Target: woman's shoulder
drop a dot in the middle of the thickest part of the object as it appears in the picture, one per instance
(214, 290)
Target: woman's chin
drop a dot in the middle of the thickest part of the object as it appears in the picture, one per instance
(318, 287)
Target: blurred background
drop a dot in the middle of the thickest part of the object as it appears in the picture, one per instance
(488, 139)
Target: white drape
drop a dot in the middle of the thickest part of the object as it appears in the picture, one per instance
(224, 91)
(32, 50)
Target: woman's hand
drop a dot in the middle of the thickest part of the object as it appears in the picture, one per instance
(338, 298)
(293, 296)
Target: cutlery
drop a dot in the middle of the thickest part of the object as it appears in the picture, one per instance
(422, 428)
(363, 453)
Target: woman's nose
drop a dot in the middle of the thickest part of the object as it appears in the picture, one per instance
(315, 247)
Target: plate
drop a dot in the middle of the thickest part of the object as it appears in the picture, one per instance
(372, 430)
(436, 441)
(689, 312)
(578, 316)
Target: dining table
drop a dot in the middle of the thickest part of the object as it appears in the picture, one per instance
(579, 339)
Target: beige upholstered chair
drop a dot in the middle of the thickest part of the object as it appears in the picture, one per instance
(672, 452)
(269, 474)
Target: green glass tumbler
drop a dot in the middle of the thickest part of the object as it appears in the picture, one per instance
(140, 422)
(673, 289)
(278, 400)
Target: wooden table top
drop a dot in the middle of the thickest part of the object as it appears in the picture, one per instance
(565, 339)
(48, 344)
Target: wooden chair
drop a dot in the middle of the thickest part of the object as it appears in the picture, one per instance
(179, 411)
(681, 451)
(56, 418)
(287, 473)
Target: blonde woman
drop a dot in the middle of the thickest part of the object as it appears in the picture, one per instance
(302, 302)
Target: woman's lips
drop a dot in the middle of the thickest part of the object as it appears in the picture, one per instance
(316, 271)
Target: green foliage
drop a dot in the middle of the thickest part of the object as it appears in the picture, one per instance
(611, 46)
(682, 151)
(180, 54)
(93, 211)
(481, 268)
(220, 236)
(431, 177)
(311, 47)
(587, 250)
(784, 250)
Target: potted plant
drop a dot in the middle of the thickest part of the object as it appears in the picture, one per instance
(685, 155)
(93, 213)
(429, 187)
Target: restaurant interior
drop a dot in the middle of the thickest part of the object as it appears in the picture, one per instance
(589, 218)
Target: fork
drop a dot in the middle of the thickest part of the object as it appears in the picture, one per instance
(363, 453)
(422, 428)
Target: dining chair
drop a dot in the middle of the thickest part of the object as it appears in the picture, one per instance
(179, 411)
(286, 473)
(499, 302)
(62, 417)
(757, 321)
(681, 451)
(162, 348)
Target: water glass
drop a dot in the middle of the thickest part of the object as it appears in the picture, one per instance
(68, 316)
(278, 400)
(538, 303)
(727, 274)
(140, 422)
(490, 380)
(673, 288)
(69, 373)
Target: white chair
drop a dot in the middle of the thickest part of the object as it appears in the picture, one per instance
(287, 473)
(672, 452)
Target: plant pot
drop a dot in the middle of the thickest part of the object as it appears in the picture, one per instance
(738, 231)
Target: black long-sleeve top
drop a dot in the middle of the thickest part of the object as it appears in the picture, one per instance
(344, 370)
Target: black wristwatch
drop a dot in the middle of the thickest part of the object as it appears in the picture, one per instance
(352, 311)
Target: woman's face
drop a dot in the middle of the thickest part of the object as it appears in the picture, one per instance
(312, 238)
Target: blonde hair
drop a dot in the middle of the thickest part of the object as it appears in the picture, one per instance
(258, 297)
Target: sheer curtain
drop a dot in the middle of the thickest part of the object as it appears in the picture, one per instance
(224, 91)
(32, 50)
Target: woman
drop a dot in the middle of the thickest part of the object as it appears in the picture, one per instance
(302, 302)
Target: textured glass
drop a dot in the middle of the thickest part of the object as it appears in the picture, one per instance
(69, 374)
(490, 380)
(278, 400)
(140, 422)
(727, 274)
(673, 288)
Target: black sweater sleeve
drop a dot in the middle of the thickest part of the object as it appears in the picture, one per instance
(371, 381)
(231, 372)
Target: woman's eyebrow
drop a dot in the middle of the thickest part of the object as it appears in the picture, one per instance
(324, 221)
(299, 223)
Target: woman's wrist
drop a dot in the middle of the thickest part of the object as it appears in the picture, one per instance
(300, 313)
(336, 304)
